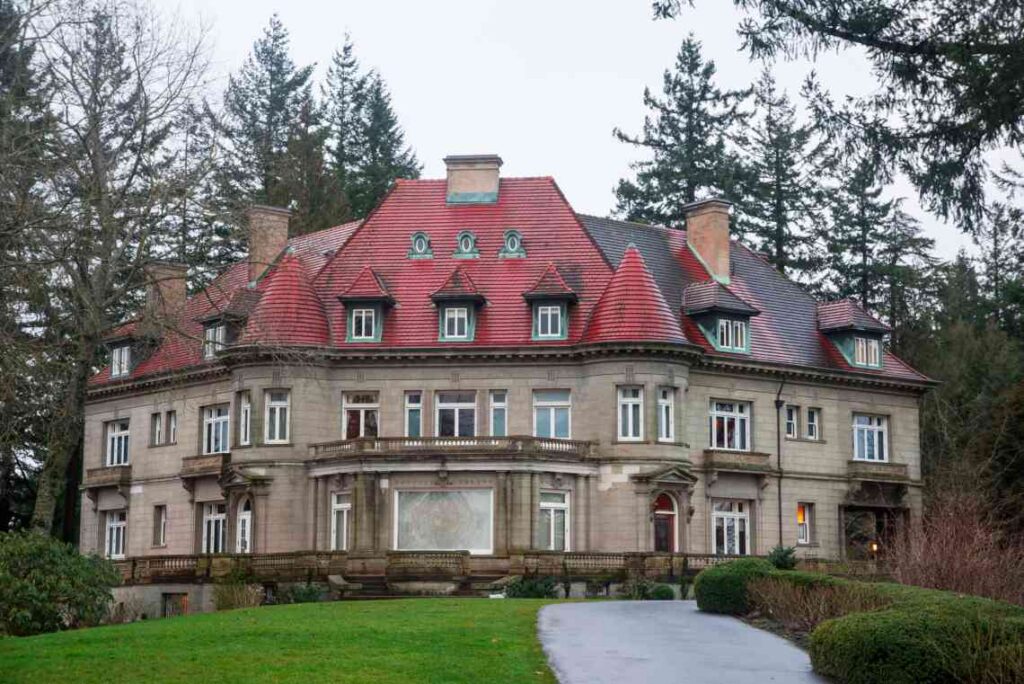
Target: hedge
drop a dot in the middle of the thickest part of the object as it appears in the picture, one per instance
(723, 588)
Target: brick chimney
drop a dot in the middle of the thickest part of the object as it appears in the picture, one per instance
(707, 235)
(165, 289)
(268, 235)
(473, 178)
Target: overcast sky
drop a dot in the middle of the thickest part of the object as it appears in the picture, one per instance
(540, 83)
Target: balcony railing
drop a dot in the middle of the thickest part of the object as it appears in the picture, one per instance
(874, 470)
(497, 446)
(207, 464)
(110, 476)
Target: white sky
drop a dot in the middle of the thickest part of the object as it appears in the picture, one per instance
(540, 83)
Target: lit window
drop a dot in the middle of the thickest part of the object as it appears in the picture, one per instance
(549, 323)
(732, 335)
(361, 410)
(117, 524)
(117, 443)
(120, 361)
(364, 324)
(804, 517)
(215, 527)
(552, 414)
(869, 438)
(813, 423)
(731, 524)
(160, 525)
(499, 413)
(554, 521)
(215, 429)
(214, 337)
(792, 422)
(244, 418)
(456, 414)
(456, 323)
(156, 429)
(867, 351)
(729, 425)
(413, 414)
(631, 414)
(341, 509)
(666, 414)
(276, 416)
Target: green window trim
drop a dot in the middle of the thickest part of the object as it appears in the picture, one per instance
(711, 325)
(460, 252)
(442, 316)
(516, 250)
(563, 318)
(472, 197)
(426, 253)
(378, 322)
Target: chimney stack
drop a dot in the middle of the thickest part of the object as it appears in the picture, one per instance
(165, 289)
(707, 235)
(473, 178)
(268, 236)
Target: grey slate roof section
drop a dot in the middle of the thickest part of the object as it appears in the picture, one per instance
(711, 295)
(846, 314)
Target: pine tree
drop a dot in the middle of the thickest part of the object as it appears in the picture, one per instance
(688, 135)
(343, 96)
(782, 190)
(907, 270)
(1000, 239)
(317, 199)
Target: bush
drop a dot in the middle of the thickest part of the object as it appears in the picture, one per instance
(801, 601)
(46, 585)
(301, 593)
(723, 588)
(663, 592)
(531, 587)
(783, 557)
(231, 595)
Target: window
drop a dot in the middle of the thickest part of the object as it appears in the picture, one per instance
(455, 323)
(554, 521)
(276, 416)
(160, 525)
(243, 527)
(731, 527)
(813, 423)
(413, 414)
(729, 425)
(804, 519)
(120, 361)
(549, 322)
(420, 248)
(499, 413)
(448, 520)
(665, 537)
(215, 527)
(732, 335)
(117, 524)
(456, 414)
(512, 248)
(215, 430)
(869, 438)
(117, 443)
(341, 509)
(244, 418)
(792, 422)
(172, 427)
(156, 429)
(552, 414)
(631, 414)
(666, 414)
(361, 410)
(867, 351)
(214, 337)
(363, 325)
(465, 246)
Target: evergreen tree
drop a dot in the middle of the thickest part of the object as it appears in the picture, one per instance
(317, 199)
(1000, 239)
(343, 96)
(688, 135)
(906, 290)
(781, 183)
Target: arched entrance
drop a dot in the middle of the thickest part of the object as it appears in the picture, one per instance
(666, 536)
(243, 527)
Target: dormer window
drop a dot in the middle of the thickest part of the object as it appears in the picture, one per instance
(867, 351)
(215, 336)
(120, 361)
(854, 332)
(722, 316)
(364, 324)
(732, 335)
(456, 323)
(465, 246)
(420, 248)
(513, 246)
(549, 321)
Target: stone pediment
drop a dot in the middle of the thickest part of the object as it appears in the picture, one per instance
(243, 476)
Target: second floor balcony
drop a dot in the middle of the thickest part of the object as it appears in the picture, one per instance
(516, 446)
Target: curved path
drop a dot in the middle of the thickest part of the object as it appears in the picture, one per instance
(632, 642)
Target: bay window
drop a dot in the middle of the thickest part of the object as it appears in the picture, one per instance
(456, 414)
(276, 415)
(361, 411)
(870, 438)
(631, 414)
(729, 425)
(117, 443)
(215, 429)
(552, 414)
(554, 521)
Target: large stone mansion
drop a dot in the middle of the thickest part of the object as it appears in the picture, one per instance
(477, 370)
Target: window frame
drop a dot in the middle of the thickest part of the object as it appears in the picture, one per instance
(493, 406)
(747, 417)
(160, 525)
(792, 421)
(245, 418)
(118, 442)
(362, 408)
(116, 534)
(212, 419)
(510, 251)
(219, 520)
(457, 407)
(552, 406)
(879, 433)
(120, 360)
(409, 408)
(566, 507)
(813, 421)
(667, 414)
(449, 311)
(867, 351)
(463, 252)
(215, 342)
(341, 502)
(270, 405)
(729, 331)
(156, 429)
(805, 529)
(636, 419)
(734, 515)
(426, 252)
(547, 307)
(376, 318)
(172, 427)
(475, 552)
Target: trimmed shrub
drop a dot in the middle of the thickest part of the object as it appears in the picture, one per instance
(231, 595)
(301, 593)
(531, 587)
(723, 588)
(663, 592)
(803, 604)
(46, 585)
(783, 557)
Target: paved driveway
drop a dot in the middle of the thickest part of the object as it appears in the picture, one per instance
(634, 642)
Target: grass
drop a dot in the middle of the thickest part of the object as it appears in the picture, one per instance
(414, 640)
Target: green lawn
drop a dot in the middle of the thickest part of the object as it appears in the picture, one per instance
(378, 642)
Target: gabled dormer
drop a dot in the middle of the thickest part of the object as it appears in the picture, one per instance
(855, 333)
(457, 301)
(366, 301)
(722, 317)
(222, 325)
(549, 300)
(123, 344)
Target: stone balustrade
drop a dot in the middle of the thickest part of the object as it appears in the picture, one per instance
(495, 446)
(875, 470)
(109, 476)
(207, 464)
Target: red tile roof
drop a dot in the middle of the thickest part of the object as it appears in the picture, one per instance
(367, 287)
(458, 286)
(290, 311)
(711, 295)
(632, 308)
(550, 285)
(846, 314)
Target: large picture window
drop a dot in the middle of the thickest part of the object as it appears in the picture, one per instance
(450, 520)
(554, 521)
(361, 410)
(870, 435)
(117, 443)
(215, 527)
(731, 527)
(552, 414)
(729, 425)
(215, 429)
(456, 414)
